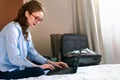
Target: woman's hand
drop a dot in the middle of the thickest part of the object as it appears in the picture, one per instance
(51, 65)
(58, 64)
(45, 66)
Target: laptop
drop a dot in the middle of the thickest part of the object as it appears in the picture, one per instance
(72, 68)
(59, 71)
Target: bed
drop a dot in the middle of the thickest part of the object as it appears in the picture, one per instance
(94, 72)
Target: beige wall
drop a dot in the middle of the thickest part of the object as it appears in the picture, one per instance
(57, 19)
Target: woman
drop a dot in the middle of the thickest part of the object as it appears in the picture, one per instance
(17, 51)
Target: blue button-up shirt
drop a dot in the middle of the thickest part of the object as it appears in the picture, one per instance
(14, 49)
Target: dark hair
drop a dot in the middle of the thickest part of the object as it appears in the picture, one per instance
(31, 6)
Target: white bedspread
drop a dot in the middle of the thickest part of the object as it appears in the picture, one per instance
(98, 72)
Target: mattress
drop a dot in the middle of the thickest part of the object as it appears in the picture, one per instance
(95, 72)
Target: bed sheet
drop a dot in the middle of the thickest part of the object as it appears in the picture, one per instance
(96, 72)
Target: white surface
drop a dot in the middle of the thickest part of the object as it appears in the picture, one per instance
(98, 72)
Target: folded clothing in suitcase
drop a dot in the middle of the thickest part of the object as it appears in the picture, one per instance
(84, 60)
(72, 42)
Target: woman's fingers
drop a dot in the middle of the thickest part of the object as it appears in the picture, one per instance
(64, 65)
(51, 67)
(47, 66)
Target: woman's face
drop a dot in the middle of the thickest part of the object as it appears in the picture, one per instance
(34, 18)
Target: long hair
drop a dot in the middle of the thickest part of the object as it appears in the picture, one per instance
(31, 6)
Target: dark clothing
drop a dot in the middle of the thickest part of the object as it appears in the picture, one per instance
(17, 74)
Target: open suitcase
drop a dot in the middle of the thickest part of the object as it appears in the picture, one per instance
(71, 42)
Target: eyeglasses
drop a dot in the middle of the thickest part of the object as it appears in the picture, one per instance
(37, 18)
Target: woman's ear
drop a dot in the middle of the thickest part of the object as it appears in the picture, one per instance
(27, 13)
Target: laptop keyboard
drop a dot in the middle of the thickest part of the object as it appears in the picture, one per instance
(62, 71)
